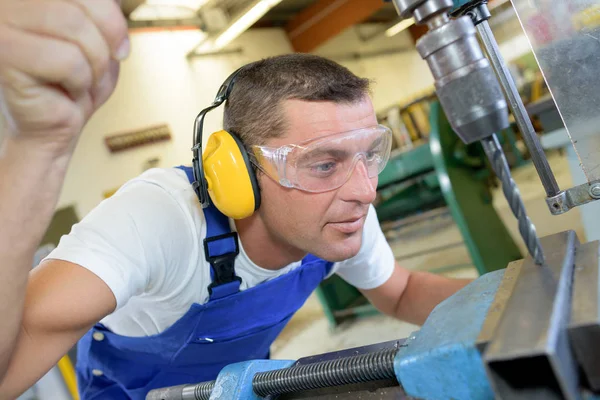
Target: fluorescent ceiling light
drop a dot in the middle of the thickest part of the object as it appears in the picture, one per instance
(167, 9)
(244, 22)
(191, 4)
(399, 27)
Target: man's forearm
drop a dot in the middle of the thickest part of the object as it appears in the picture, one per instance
(31, 177)
(423, 292)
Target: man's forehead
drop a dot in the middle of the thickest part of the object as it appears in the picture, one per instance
(307, 120)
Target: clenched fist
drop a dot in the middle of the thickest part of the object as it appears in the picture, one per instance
(59, 62)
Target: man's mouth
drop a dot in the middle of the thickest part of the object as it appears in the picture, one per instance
(349, 225)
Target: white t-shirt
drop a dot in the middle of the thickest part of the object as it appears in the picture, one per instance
(146, 243)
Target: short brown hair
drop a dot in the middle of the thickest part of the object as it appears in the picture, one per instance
(253, 111)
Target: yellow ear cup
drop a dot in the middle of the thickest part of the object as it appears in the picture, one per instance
(231, 181)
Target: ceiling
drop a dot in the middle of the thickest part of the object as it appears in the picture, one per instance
(285, 11)
(308, 23)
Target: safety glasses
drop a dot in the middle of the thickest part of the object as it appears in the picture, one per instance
(325, 163)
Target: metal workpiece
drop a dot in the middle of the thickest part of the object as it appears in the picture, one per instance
(465, 83)
(529, 356)
(494, 314)
(361, 368)
(200, 391)
(573, 197)
(518, 109)
(493, 150)
(584, 326)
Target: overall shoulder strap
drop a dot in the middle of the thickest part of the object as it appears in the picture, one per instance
(310, 259)
(221, 247)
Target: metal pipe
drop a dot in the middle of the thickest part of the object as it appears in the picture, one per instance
(356, 369)
(518, 109)
(493, 150)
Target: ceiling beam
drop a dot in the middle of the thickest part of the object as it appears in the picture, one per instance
(162, 24)
(326, 19)
(128, 6)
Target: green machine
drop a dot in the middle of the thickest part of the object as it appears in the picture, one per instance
(440, 173)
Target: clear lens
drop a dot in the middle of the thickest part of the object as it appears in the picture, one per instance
(327, 163)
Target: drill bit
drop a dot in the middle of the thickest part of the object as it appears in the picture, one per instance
(492, 149)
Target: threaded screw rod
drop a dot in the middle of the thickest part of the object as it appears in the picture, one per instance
(493, 150)
(203, 390)
(361, 368)
(200, 391)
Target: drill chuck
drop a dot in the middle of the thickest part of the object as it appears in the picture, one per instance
(465, 82)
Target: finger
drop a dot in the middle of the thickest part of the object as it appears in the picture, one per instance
(111, 22)
(32, 112)
(65, 21)
(102, 91)
(48, 60)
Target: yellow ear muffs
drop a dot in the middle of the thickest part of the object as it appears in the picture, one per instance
(232, 184)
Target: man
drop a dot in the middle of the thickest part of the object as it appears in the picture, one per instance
(153, 304)
(59, 62)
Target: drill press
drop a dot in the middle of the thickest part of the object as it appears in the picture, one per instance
(526, 332)
(469, 94)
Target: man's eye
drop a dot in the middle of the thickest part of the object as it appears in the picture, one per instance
(324, 168)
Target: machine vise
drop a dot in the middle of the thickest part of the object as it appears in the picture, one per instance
(524, 332)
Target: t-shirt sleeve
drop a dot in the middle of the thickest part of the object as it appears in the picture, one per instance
(374, 263)
(128, 240)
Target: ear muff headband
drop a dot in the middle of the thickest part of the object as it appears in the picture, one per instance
(223, 174)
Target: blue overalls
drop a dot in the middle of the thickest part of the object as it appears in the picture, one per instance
(232, 326)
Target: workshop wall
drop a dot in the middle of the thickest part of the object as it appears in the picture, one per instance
(394, 66)
(157, 85)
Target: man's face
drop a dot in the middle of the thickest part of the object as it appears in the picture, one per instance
(329, 224)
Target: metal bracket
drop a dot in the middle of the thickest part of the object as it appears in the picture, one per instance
(573, 197)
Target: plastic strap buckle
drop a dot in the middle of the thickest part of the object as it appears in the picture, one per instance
(223, 264)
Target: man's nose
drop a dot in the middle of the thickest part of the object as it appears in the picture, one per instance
(359, 186)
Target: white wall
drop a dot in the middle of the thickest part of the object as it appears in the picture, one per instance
(396, 76)
(157, 85)
(399, 77)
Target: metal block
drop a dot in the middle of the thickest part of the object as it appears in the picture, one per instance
(235, 381)
(532, 333)
(441, 361)
(509, 279)
(584, 327)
